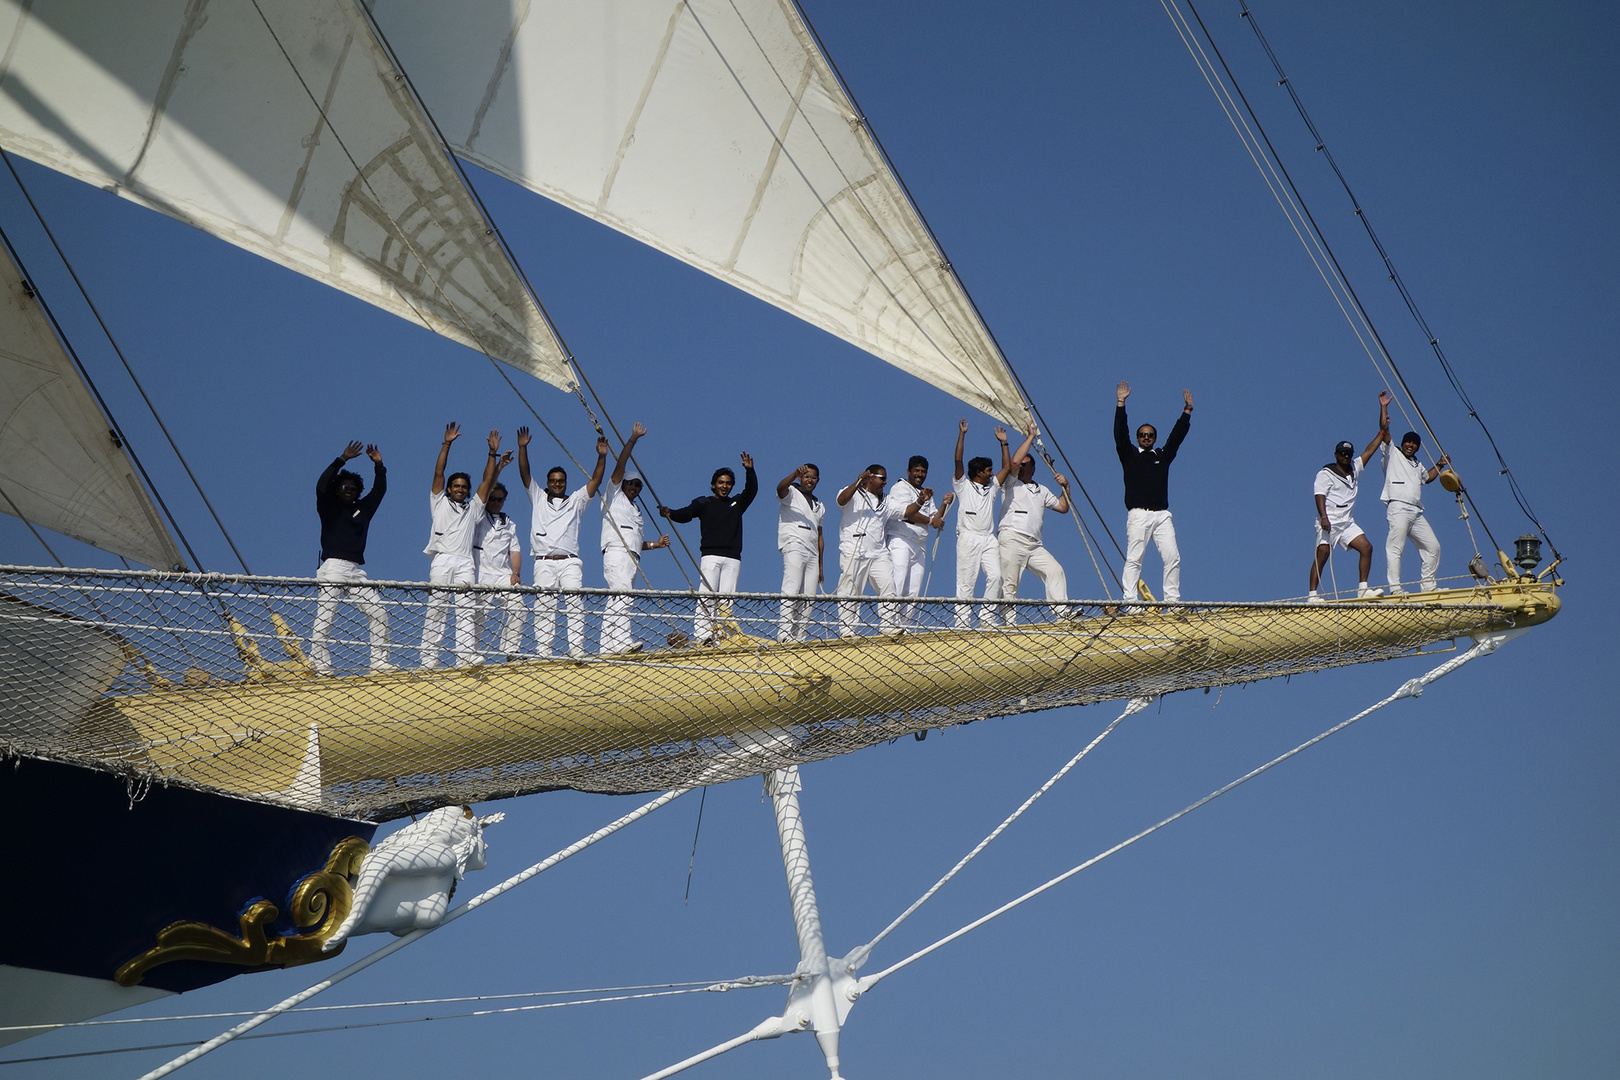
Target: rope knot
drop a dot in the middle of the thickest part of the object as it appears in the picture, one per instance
(1411, 688)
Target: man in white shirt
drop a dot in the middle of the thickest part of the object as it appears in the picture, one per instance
(622, 545)
(1404, 477)
(554, 545)
(1024, 504)
(498, 560)
(799, 539)
(908, 512)
(456, 509)
(977, 490)
(1335, 492)
(862, 556)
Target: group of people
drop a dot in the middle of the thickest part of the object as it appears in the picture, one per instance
(882, 537)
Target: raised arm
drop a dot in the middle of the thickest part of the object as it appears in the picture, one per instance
(1006, 452)
(750, 482)
(323, 484)
(1122, 429)
(1384, 398)
(523, 457)
(961, 437)
(636, 432)
(379, 478)
(452, 432)
(493, 466)
(1178, 432)
(601, 467)
(1023, 448)
(849, 492)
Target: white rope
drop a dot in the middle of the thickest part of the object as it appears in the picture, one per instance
(766, 1029)
(858, 957)
(1410, 688)
(415, 935)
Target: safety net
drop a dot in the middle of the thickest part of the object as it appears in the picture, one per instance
(380, 699)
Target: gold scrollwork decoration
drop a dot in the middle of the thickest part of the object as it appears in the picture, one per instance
(322, 900)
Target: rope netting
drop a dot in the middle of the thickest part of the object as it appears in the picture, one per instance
(358, 700)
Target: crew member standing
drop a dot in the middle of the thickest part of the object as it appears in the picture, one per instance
(862, 556)
(1335, 491)
(799, 539)
(1024, 504)
(720, 518)
(908, 513)
(456, 509)
(554, 545)
(498, 559)
(1404, 477)
(345, 517)
(622, 545)
(977, 490)
(1147, 494)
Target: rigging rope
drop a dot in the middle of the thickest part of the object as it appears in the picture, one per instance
(18, 512)
(1400, 284)
(67, 346)
(415, 935)
(1410, 688)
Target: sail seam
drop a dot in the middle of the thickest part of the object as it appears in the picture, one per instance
(641, 103)
(297, 193)
(502, 62)
(193, 22)
(770, 167)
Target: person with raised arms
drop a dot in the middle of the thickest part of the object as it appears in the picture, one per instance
(456, 509)
(1335, 493)
(345, 517)
(799, 539)
(1024, 504)
(862, 555)
(977, 489)
(1404, 477)
(720, 518)
(1147, 494)
(498, 559)
(908, 513)
(622, 544)
(554, 544)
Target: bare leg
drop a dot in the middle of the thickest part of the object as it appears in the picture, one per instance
(1322, 553)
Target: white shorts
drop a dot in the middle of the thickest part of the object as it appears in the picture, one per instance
(1343, 533)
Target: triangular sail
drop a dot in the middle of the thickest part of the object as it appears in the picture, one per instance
(715, 131)
(282, 128)
(60, 466)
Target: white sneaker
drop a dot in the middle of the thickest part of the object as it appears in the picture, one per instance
(382, 666)
(1365, 593)
(1312, 598)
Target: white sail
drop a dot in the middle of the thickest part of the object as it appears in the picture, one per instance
(715, 131)
(60, 466)
(288, 133)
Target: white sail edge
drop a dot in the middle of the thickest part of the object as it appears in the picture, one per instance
(60, 466)
(716, 132)
(291, 135)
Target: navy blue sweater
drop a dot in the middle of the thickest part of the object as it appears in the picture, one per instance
(1147, 474)
(721, 519)
(344, 525)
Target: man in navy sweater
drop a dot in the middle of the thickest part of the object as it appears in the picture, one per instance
(720, 518)
(345, 517)
(1147, 493)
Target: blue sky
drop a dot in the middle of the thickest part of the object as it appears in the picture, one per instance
(1429, 894)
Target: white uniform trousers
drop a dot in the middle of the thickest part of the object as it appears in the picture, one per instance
(503, 610)
(566, 573)
(1155, 525)
(719, 574)
(853, 577)
(349, 573)
(450, 570)
(619, 568)
(1407, 520)
(1019, 551)
(977, 553)
(801, 576)
(910, 563)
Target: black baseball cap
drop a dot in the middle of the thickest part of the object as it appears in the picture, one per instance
(1345, 447)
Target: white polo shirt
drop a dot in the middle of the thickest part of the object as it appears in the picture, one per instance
(976, 506)
(801, 518)
(622, 517)
(1024, 506)
(1403, 477)
(453, 524)
(1339, 491)
(494, 541)
(556, 521)
(860, 530)
(895, 525)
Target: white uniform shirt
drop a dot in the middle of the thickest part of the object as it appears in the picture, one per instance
(494, 541)
(621, 516)
(1024, 506)
(801, 518)
(1339, 491)
(556, 521)
(976, 506)
(860, 530)
(453, 524)
(1403, 477)
(902, 495)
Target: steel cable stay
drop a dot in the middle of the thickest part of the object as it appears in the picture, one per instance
(1395, 277)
